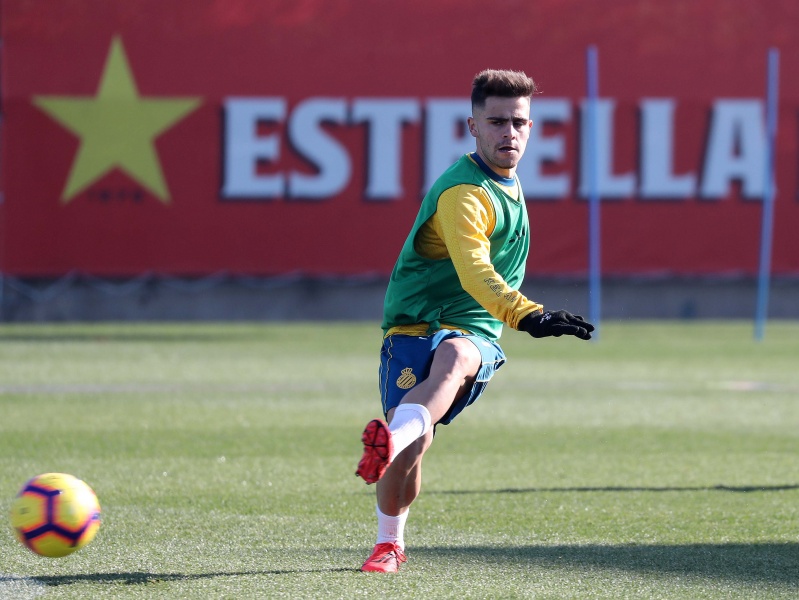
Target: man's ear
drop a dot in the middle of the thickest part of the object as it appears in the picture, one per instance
(472, 126)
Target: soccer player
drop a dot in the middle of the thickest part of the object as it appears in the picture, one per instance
(453, 287)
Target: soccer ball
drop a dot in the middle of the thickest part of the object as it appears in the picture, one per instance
(55, 514)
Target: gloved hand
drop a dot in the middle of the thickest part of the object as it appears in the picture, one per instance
(556, 323)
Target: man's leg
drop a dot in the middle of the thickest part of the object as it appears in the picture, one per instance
(455, 365)
(401, 484)
(452, 373)
(453, 370)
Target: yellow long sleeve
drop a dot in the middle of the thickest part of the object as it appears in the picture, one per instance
(460, 229)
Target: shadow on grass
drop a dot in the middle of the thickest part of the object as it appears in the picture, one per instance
(745, 489)
(142, 578)
(756, 563)
(770, 563)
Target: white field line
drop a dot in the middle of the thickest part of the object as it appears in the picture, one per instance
(17, 587)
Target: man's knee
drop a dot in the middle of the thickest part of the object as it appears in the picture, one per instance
(459, 356)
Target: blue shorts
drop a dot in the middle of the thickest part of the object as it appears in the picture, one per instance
(405, 361)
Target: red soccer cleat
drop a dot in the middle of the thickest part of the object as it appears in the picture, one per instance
(377, 450)
(385, 558)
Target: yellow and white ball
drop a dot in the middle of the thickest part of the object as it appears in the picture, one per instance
(55, 514)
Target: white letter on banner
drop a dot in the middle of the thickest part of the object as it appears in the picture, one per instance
(309, 138)
(736, 149)
(542, 150)
(609, 185)
(244, 148)
(447, 136)
(657, 153)
(385, 118)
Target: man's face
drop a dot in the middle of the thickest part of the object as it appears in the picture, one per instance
(502, 128)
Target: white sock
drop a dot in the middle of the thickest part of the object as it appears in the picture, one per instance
(409, 423)
(391, 529)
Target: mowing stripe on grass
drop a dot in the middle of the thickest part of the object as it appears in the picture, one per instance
(154, 388)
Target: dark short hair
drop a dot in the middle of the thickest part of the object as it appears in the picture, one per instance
(502, 83)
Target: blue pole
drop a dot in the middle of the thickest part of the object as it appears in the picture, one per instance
(594, 258)
(767, 225)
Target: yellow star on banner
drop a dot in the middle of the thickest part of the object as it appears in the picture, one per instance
(117, 127)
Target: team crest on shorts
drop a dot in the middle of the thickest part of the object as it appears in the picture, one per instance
(407, 379)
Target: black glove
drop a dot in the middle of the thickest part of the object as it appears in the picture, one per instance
(556, 323)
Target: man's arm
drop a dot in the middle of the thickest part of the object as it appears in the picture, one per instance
(464, 220)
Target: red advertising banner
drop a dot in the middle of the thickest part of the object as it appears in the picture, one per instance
(298, 136)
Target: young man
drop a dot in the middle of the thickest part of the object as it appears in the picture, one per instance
(453, 287)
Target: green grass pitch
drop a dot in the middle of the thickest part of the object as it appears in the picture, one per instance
(660, 462)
